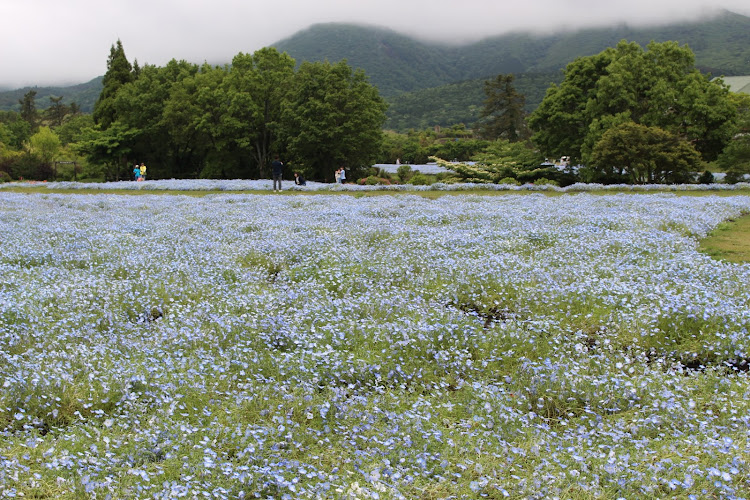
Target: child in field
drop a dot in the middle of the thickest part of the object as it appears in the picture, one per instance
(137, 172)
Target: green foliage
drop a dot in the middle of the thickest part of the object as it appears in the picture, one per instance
(57, 111)
(543, 181)
(412, 75)
(742, 103)
(559, 121)
(84, 95)
(14, 131)
(404, 173)
(646, 155)
(706, 177)
(190, 121)
(29, 113)
(416, 147)
(6, 136)
(119, 72)
(46, 144)
(70, 131)
(735, 160)
(503, 115)
(509, 180)
(508, 163)
(460, 102)
(397, 62)
(373, 180)
(256, 86)
(659, 88)
(333, 117)
(107, 148)
(420, 179)
(510, 159)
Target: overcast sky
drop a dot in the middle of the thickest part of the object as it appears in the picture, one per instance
(45, 42)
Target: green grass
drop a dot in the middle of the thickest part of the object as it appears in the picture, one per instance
(730, 241)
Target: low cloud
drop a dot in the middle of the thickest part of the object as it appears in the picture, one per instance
(50, 42)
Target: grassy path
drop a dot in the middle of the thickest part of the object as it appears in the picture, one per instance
(730, 241)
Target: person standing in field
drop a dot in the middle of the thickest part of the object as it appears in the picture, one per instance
(277, 169)
(342, 175)
(143, 172)
(136, 172)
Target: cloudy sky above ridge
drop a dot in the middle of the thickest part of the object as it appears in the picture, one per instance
(51, 42)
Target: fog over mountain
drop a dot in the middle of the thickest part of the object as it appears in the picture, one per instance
(46, 42)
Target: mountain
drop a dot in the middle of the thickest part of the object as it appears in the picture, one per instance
(397, 63)
(83, 94)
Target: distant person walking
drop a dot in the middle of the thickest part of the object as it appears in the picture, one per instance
(277, 169)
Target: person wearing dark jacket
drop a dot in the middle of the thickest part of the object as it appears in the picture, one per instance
(277, 169)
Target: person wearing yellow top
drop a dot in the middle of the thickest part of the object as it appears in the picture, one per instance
(143, 171)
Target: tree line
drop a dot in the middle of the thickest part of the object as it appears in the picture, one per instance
(188, 121)
(627, 114)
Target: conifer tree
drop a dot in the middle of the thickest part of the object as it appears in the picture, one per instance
(29, 112)
(119, 72)
(503, 113)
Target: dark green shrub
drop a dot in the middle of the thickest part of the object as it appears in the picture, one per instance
(509, 180)
(405, 173)
(420, 179)
(706, 178)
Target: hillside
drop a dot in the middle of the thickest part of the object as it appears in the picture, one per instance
(84, 94)
(396, 63)
(460, 102)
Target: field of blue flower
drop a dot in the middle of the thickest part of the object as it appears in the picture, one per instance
(334, 346)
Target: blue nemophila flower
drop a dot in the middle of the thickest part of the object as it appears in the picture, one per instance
(518, 344)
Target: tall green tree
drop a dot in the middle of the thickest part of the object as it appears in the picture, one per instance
(735, 158)
(256, 87)
(561, 122)
(45, 144)
(333, 117)
(119, 72)
(644, 155)
(18, 128)
(503, 114)
(157, 110)
(659, 87)
(107, 148)
(57, 111)
(223, 157)
(29, 113)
